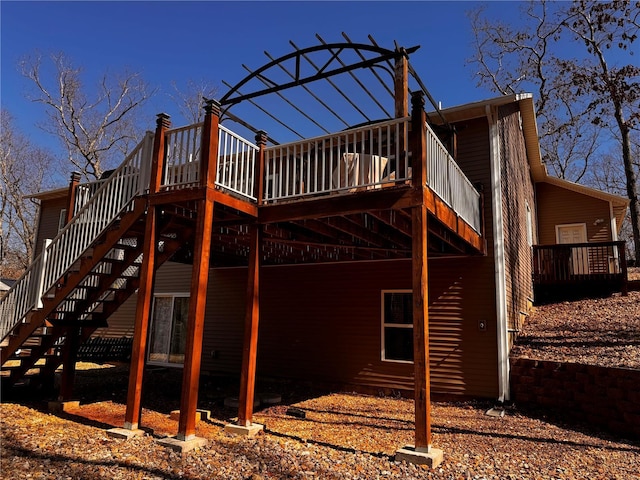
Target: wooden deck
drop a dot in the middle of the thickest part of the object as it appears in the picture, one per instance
(579, 269)
(205, 196)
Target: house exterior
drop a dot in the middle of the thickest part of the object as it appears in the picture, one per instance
(396, 255)
(327, 322)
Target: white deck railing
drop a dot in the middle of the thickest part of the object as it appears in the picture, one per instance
(357, 159)
(236, 163)
(182, 163)
(360, 158)
(109, 201)
(447, 180)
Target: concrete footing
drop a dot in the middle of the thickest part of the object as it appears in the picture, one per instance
(250, 431)
(431, 458)
(182, 446)
(200, 415)
(58, 407)
(124, 433)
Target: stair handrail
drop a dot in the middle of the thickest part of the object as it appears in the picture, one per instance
(108, 202)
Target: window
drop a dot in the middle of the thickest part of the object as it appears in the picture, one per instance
(397, 326)
(168, 329)
(62, 219)
(529, 225)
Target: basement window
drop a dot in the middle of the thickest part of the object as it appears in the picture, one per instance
(397, 326)
(168, 335)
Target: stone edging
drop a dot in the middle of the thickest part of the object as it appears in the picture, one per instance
(606, 397)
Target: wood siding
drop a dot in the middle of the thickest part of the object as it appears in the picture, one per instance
(517, 193)
(323, 322)
(559, 206)
(48, 221)
(171, 278)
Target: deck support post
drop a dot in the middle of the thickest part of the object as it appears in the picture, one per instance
(199, 277)
(147, 278)
(69, 358)
(422, 452)
(250, 344)
(71, 197)
(71, 344)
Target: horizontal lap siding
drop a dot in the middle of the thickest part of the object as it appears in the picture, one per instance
(558, 206)
(172, 278)
(517, 192)
(48, 222)
(476, 273)
(323, 322)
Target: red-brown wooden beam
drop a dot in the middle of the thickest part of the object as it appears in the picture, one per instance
(69, 358)
(420, 280)
(252, 317)
(393, 198)
(147, 278)
(195, 325)
(71, 344)
(71, 196)
(141, 328)
(199, 275)
(422, 394)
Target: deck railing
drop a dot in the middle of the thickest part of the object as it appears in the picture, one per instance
(236, 163)
(365, 158)
(579, 262)
(447, 180)
(109, 201)
(360, 158)
(182, 161)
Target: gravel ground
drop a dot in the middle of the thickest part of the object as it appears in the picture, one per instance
(344, 436)
(604, 331)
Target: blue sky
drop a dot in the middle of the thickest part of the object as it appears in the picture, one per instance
(177, 41)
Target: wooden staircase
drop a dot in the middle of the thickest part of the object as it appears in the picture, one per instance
(105, 275)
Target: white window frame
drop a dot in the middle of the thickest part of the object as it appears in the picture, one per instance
(173, 296)
(529, 225)
(384, 325)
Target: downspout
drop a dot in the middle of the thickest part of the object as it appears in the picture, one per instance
(499, 255)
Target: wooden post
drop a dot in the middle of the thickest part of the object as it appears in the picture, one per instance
(401, 85)
(258, 188)
(199, 275)
(71, 197)
(420, 280)
(421, 330)
(69, 358)
(401, 105)
(209, 147)
(71, 343)
(418, 141)
(250, 344)
(147, 278)
(623, 268)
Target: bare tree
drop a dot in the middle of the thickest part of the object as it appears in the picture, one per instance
(189, 99)
(95, 128)
(510, 59)
(614, 91)
(24, 169)
(573, 92)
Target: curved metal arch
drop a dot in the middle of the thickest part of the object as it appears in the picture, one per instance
(383, 56)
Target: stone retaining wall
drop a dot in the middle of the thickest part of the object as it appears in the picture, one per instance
(606, 397)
